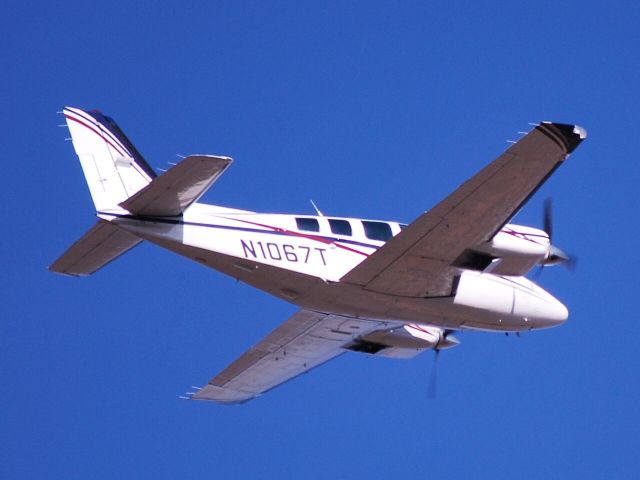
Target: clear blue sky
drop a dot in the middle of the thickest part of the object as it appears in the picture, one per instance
(372, 109)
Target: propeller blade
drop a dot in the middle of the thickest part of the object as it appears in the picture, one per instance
(538, 273)
(434, 375)
(556, 256)
(548, 217)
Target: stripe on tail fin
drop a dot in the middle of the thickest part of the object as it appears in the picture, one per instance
(112, 166)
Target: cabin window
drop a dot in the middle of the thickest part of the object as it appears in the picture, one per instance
(377, 230)
(340, 227)
(308, 224)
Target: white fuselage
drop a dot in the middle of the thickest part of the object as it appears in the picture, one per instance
(253, 247)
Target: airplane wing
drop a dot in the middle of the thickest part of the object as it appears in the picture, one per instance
(422, 260)
(306, 340)
(171, 193)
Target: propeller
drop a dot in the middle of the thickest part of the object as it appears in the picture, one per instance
(548, 217)
(431, 393)
(447, 340)
(556, 256)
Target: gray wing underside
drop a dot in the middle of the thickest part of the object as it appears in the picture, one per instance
(102, 244)
(306, 340)
(421, 260)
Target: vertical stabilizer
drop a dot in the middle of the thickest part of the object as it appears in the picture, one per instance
(112, 166)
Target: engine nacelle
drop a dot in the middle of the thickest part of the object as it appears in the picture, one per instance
(514, 250)
(404, 342)
(506, 303)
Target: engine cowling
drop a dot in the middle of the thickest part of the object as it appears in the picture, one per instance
(514, 250)
(404, 342)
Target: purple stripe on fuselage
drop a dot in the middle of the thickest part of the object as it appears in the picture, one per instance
(286, 233)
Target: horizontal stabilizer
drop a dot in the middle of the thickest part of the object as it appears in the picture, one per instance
(100, 245)
(171, 193)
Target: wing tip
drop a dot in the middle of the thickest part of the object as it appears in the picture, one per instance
(566, 135)
(62, 271)
(222, 395)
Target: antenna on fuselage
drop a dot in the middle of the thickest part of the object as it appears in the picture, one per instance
(315, 207)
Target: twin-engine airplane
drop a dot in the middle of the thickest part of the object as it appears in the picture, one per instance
(378, 287)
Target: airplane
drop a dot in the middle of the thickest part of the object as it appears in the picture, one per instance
(382, 288)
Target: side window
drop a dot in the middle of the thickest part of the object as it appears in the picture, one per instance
(340, 227)
(377, 230)
(308, 224)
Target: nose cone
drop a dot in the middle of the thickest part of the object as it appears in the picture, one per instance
(557, 312)
(539, 308)
(550, 312)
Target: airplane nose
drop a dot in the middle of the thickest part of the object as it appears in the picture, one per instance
(551, 313)
(558, 312)
(540, 309)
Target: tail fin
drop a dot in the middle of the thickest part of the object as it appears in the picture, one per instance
(114, 171)
(119, 178)
(112, 166)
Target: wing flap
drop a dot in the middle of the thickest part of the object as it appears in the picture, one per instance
(171, 193)
(102, 244)
(306, 340)
(420, 261)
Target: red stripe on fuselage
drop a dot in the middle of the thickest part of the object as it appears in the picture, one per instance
(302, 235)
